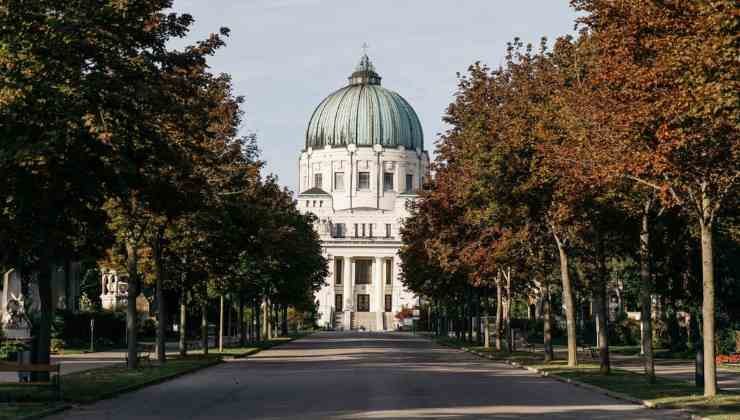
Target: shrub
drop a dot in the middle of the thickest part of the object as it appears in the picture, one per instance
(404, 313)
(57, 345)
(661, 335)
(625, 332)
(74, 328)
(726, 343)
(723, 358)
(587, 334)
(148, 328)
(534, 328)
(9, 350)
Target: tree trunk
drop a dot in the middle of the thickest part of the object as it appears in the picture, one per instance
(242, 323)
(275, 320)
(69, 300)
(547, 325)
(707, 310)
(229, 325)
(204, 325)
(161, 312)
(132, 317)
(221, 324)
(601, 327)
(476, 319)
(570, 310)
(603, 309)
(265, 312)
(646, 304)
(509, 332)
(250, 325)
(43, 337)
(466, 311)
(486, 334)
(257, 315)
(499, 312)
(285, 320)
(183, 324)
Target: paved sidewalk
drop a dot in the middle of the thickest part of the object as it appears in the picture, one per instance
(678, 369)
(77, 363)
(85, 361)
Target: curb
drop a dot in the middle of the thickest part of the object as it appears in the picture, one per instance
(242, 355)
(216, 361)
(257, 349)
(612, 394)
(157, 381)
(45, 413)
(121, 391)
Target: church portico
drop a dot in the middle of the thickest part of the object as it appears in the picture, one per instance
(360, 289)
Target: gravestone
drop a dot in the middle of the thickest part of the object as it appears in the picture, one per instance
(13, 317)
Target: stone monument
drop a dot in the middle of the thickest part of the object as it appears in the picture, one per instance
(115, 291)
(13, 316)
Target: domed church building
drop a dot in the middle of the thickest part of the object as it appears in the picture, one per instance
(364, 160)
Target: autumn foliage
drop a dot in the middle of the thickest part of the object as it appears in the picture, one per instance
(570, 155)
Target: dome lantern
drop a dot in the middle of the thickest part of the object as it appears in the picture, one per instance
(364, 73)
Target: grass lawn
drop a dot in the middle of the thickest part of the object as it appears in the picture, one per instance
(105, 382)
(96, 384)
(625, 350)
(100, 383)
(92, 385)
(14, 411)
(74, 351)
(237, 352)
(664, 393)
(735, 368)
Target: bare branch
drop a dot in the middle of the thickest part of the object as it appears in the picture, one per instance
(644, 182)
(721, 196)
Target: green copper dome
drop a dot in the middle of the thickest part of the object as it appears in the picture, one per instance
(364, 113)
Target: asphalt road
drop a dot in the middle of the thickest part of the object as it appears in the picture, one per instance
(362, 376)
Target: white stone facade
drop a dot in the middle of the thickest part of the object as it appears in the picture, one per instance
(359, 196)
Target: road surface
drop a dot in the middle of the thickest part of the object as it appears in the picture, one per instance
(362, 376)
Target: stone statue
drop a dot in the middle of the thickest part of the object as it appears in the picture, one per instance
(16, 316)
(115, 290)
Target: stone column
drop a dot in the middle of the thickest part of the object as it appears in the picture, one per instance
(396, 287)
(330, 296)
(378, 288)
(347, 305)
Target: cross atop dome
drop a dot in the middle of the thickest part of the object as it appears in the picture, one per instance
(364, 73)
(365, 64)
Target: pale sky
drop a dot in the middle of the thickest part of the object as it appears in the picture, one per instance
(285, 56)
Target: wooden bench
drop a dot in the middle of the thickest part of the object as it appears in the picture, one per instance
(54, 381)
(520, 341)
(523, 343)
(588, 349)
(143, 353)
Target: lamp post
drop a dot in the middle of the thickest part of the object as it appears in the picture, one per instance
(221, 326)
(92, 335)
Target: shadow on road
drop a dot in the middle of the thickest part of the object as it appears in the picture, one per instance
(363, 376)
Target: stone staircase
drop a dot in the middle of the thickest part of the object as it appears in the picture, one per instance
(339, 321)
(363, 319)
(366, 320)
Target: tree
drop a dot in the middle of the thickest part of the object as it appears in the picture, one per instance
(675, 65)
